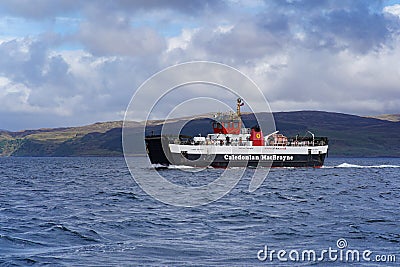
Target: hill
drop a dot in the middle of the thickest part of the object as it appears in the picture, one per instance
(349, 135)
(388, 117)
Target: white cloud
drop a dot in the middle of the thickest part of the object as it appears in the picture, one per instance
(393, 10)
(182, 40)
(224, 28)
(14, 96)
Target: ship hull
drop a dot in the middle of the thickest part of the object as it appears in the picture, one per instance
(161, 152)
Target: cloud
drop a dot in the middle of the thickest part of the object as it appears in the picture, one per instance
(181, 41)
(243, 42)
(356, 29)
(66, 86)
(120, 40)
(39, 9)
(188, 7)
(43, 9)
(336, 25)
(328, 55)
(393, 10)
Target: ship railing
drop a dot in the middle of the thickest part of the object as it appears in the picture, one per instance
(245, 130)
(292, 143)
(307, 141)
(300, 143)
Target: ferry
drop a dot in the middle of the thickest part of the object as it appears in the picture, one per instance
(233, 145)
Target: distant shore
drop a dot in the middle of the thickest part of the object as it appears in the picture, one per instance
(349, 135)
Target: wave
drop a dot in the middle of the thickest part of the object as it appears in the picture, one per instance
(181, 167)
(159, 166)
(90, 235)
(348, 165)
(178, 167)
(18, 241)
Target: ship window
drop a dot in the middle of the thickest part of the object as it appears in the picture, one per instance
(235, 125)
(219, 126)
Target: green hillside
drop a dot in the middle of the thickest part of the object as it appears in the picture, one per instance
(349, 135)
(90, 140)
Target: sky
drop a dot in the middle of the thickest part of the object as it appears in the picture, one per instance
(69, 62)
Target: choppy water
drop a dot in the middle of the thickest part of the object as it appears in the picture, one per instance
(89, 211)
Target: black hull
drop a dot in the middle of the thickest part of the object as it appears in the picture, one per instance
(155, 150)
(158, 156)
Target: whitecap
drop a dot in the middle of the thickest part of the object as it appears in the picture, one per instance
(348, 165)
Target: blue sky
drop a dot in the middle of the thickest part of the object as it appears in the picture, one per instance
(77, 62)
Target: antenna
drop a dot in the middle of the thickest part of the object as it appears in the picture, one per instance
(238, 105)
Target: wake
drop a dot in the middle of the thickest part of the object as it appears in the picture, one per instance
(348, 165)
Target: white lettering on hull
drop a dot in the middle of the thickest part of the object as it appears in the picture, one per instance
(256, 157)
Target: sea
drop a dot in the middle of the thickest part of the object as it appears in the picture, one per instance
(89, 211)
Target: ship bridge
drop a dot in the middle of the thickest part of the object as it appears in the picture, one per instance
(228, 123)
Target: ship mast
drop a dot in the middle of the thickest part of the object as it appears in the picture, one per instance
(239, 103)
